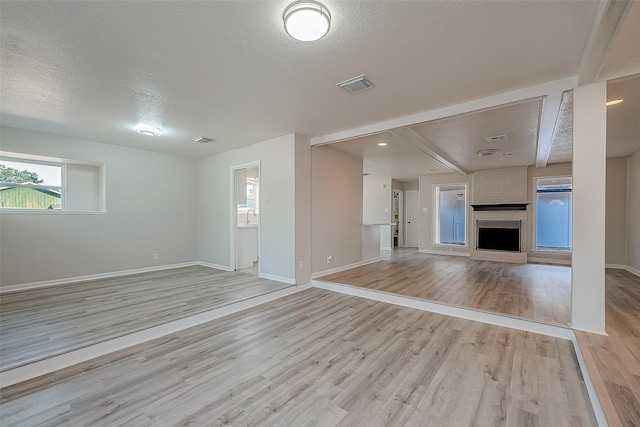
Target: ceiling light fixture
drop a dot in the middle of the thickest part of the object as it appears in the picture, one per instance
(614, 102)
(382, 144)
(307, 20)
(487, 152)
(147, 130)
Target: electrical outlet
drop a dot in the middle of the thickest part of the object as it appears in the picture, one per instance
(300, 264)
(329, 259)
(155, 256)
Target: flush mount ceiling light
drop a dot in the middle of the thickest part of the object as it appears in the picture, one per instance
(487, 152)
(382, 144)
(147, 130)
(307, 20)
(614, 102)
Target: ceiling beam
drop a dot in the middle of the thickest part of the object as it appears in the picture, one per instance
(605, 27)
(548, 121)
(452, 110)
(408, 135)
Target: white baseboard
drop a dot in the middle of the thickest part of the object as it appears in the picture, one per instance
(434, 252)
(632, 270)
(548, 261)
(591, 390)
(616, 266)
(55, 363)
(448, 310)
(386, 248)
(216, 266)
(277, 278)
(344, 267)
(69, 280)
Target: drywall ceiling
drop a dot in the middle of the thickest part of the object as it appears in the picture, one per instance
(623, 57)
(228, 71)
(623, 120)
(461, 137)
(399, 159)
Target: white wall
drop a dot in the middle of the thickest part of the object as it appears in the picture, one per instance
(426, 216)
(633, 212)
(336, 208)
(376, 196)
(151, 204)
(277, 206)
(589, 176)
(303, 209)
(616, 212)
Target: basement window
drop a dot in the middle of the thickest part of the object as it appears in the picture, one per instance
(451, 214)
(31, 185)
(553, 214)
(38, 184)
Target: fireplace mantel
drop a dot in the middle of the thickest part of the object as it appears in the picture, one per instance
(501, 207)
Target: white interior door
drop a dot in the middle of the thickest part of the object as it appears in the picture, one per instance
(413, 218)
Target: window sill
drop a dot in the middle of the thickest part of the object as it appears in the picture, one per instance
(48, 212)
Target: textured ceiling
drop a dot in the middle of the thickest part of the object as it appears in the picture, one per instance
(460, 137)
(227, 70)
(562, 140)
(399, 159)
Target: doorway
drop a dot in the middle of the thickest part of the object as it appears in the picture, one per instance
(412, 218)
(246, 219)
(397, 222)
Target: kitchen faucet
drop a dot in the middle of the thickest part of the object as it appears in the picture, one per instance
(254, 214)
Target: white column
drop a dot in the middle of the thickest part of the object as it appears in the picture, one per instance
(589, 174)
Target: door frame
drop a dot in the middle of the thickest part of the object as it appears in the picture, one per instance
(233, 236)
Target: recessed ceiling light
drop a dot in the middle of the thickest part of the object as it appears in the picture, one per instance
(307, 20)
(147, 130)
(614, 102)
(382, 144)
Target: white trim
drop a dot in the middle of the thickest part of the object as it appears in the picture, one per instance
(344, 267)
(277, 278)
(386, 248)
(616, 266)
(216, 266)
(590, 331)
(448, 310)
(10, 211)
(452, 110)
(55, 363)
(533, 260)
(434, 252)
(591, 390)
(69, 280)
(632, 270)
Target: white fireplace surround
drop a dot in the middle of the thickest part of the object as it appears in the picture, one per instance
(500, 256)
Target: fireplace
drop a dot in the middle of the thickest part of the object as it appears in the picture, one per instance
(498, 235)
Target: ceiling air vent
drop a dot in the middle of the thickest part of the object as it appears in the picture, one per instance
(487, 152)
(202, 140)
(497, 138)
(356, 84)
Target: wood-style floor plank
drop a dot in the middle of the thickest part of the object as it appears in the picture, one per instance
(537, 292)
(614, 361)
(318, 358)
(40, 323)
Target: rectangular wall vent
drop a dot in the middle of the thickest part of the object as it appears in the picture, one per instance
(356, 84)
(497, 138)
(202, 140)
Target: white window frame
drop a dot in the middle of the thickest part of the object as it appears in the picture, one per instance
(61, 188)
(534, 223)
(436, 188)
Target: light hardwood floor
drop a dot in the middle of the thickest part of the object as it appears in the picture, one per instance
(530, 291)
(318, 358)
(40, 323)
(614, 360)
